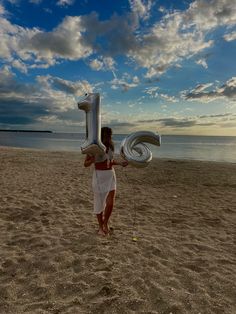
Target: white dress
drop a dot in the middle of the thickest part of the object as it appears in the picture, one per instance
(103, 182)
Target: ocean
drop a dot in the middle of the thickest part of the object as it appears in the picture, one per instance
(206, 148)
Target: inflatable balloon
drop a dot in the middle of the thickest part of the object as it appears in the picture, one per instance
(135, 143)
(91, 106)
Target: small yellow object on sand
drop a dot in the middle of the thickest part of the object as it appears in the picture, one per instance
(134, 239)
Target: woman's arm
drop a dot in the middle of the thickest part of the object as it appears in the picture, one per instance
(89, 160)
(122, 163)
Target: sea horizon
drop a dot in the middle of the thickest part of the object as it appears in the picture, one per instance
(126, 134)
(193, 147)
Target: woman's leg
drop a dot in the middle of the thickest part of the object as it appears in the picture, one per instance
(100, 223)
(108, 209)
(98, 205)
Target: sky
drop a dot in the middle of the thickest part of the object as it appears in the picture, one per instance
(162, 66)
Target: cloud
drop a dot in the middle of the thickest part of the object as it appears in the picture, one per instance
(103, 64)
(48, 97)
(197, 121)
(202, 62)
(136, 80)
(115, 84)
(179, 35)
(36, 48)
(178, 123)
(65, 41)
(63, 3)
(230, 36)
(118, 124)
(141, 9)
(2, 10)
(20, 103)
(207, 15)
(172, 122)
(202, 87)
(153, 93)
(117, 33)
(18, 64)
(74, 88)
(9, 86)
(227, 90)
(35, 1)
(124, 84)
(96, 65)
(74, 38)
(166, 46)
(216, 115)
(168, 98)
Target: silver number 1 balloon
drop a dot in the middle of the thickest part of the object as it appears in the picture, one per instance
(91, 106)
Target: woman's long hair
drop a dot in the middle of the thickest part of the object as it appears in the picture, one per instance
(106, 137)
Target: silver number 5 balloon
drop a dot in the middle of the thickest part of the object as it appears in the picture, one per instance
(91, 106)
(135, 151)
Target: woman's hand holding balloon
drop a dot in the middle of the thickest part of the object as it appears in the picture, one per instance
(124, 163)
(89, 160)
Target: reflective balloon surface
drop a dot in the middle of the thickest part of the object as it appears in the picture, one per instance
(91, 106)
(135, 151)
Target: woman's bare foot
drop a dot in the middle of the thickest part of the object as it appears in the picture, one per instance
(105, 228)
(101, 232)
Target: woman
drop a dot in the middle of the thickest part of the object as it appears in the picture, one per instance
(104, 180)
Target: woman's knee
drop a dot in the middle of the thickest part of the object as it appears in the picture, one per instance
(111, 199)
(110, 202)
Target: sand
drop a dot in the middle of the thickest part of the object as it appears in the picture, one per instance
(182, 214)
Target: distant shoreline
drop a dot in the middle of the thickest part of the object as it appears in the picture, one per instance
(30, 131)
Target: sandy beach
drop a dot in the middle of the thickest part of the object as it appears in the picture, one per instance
(181, 213)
